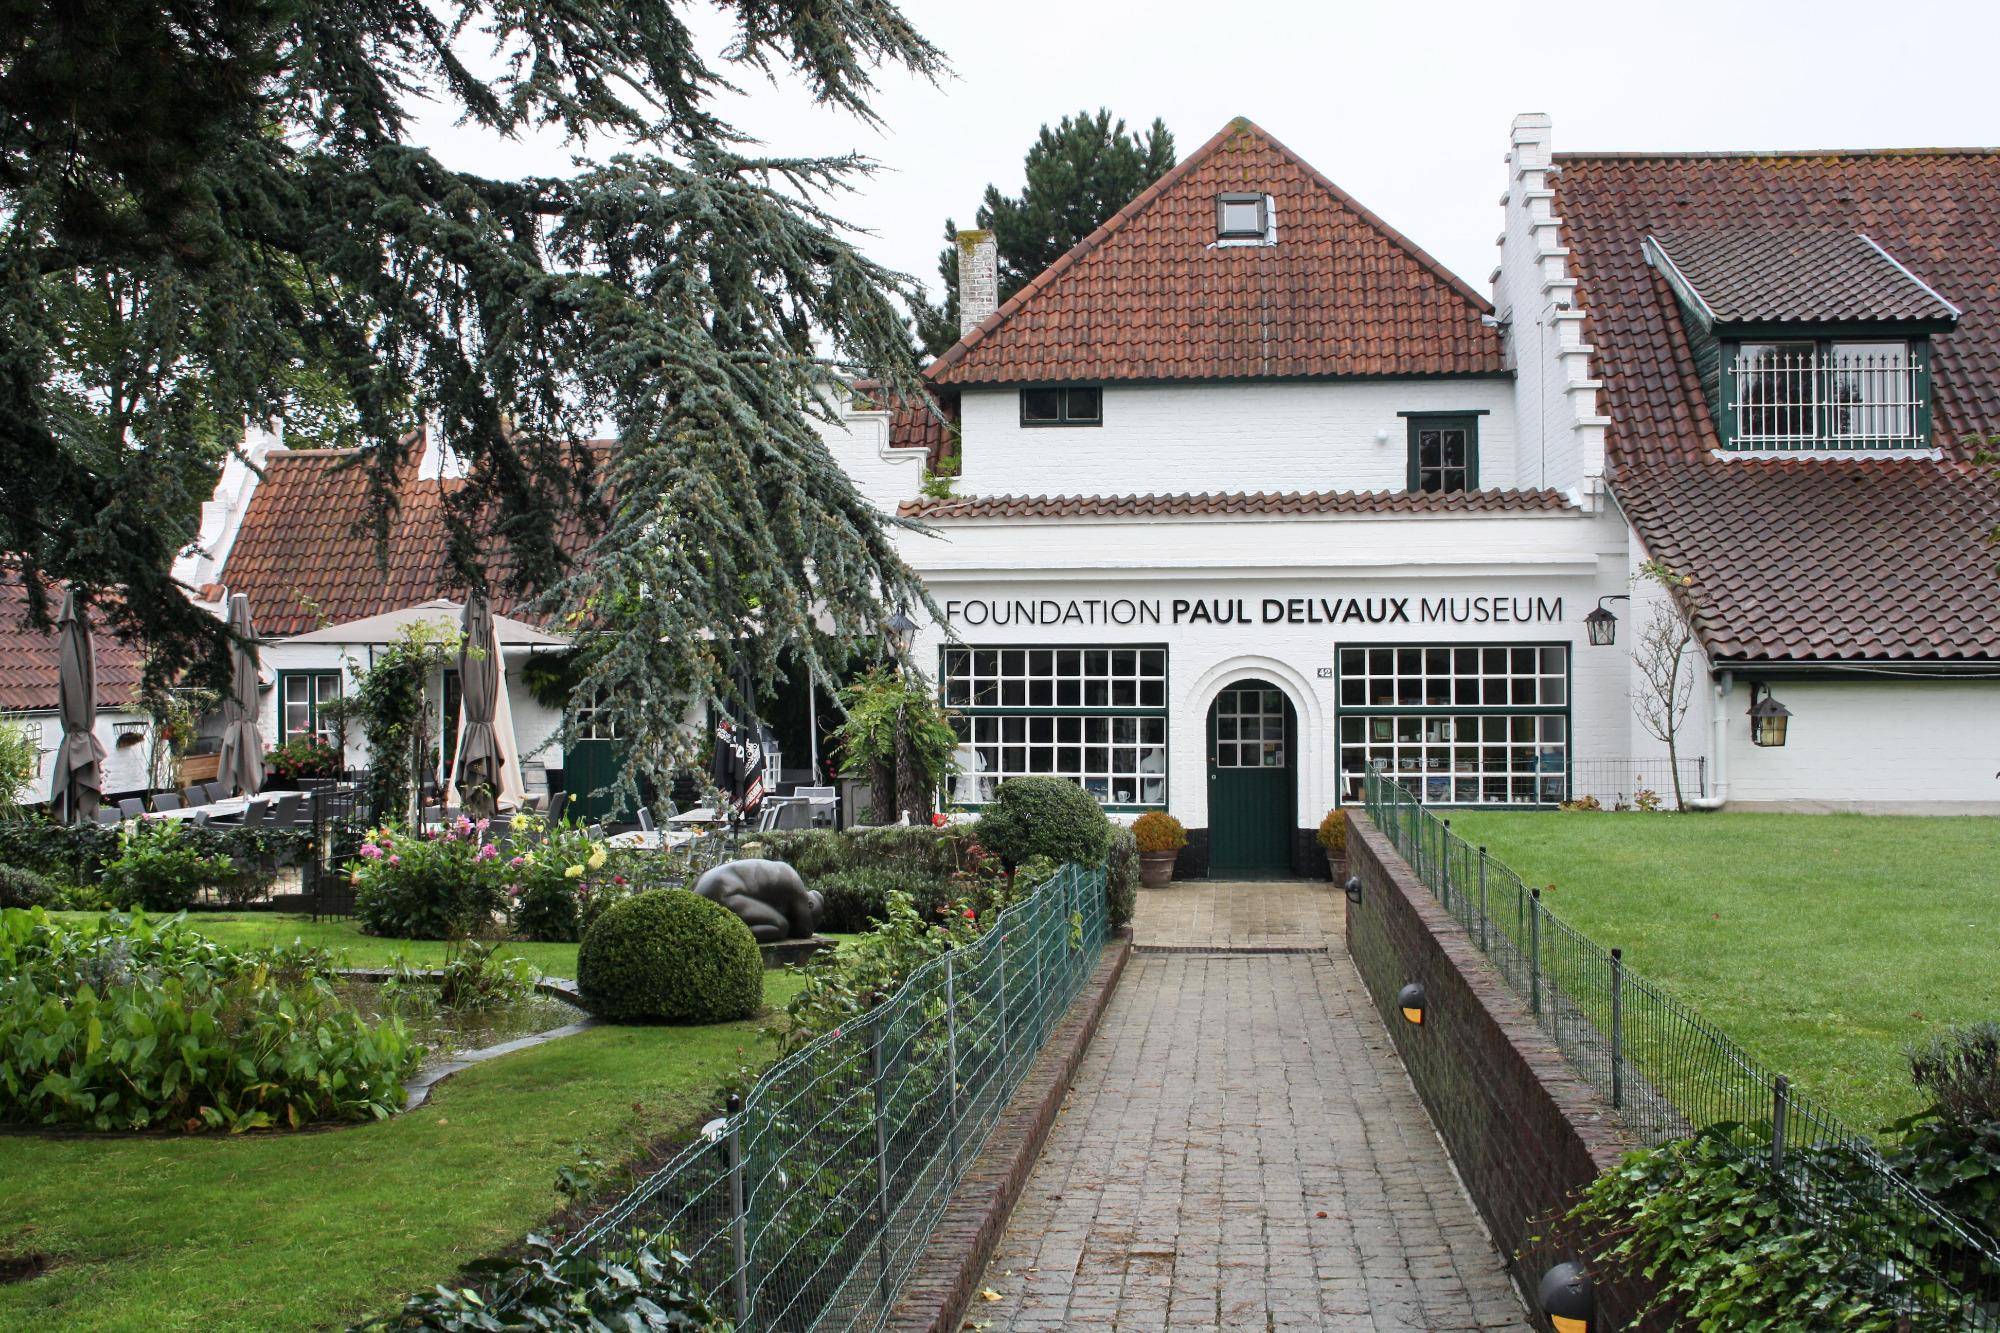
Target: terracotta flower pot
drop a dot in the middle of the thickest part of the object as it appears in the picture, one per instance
(1156, 869)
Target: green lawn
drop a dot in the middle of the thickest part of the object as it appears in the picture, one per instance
(1824, 944)
(315, 1230)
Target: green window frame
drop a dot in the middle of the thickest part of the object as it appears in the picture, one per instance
(1444, 451)
(1095, 713)
(301, 695)
(1802, 398)
(1468, 724)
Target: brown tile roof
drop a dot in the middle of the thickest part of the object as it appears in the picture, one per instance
(1150, 295)
(305, 562)
(1810, 558)
(916, 424)
(1797, 274)
(29, 671)
(1240, 503)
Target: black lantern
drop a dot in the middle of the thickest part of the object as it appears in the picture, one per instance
(1353, 887)
(1767, 717)
(1601, 624)
(1410, 1000)
(1568, 1299)
(902, 629)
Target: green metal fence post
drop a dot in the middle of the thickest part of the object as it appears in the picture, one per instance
(951, 1056)
(1781, 1105)
(881, 1148)
(1444, 863)
(739, 1221)
(1535, 952)
(1617, 1029)
(1482, 900)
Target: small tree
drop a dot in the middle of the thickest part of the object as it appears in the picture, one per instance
(896, 736)
(1666, 675)
(19, 757)
(392, 700)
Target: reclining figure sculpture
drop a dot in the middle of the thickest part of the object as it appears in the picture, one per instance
(768, 895)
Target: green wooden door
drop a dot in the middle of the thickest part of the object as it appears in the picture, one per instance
(1251, 786)
(587, 766)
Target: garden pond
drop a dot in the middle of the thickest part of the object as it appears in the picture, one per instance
(449, 1033)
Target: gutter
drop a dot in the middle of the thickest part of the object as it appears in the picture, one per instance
(1718, 743)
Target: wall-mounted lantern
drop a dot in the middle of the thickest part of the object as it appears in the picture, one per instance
(902, 631)
(1354, 889)
(1601, 625)
(1568, 1298)
(1411, 1001)
(1767, 717)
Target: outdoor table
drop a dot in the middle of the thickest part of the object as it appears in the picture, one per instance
(701, 814)
(231, 807)
(654, 841)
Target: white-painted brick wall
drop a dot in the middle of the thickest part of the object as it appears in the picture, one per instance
(1873, 745)
(859, 443)
(1268, 436)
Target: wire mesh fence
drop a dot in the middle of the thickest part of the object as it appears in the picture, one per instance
(1628, 783)
(1667, 1073)
(807, 1205)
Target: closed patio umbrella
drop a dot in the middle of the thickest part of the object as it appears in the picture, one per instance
(738, 766)
(78, 784)
(240, 767)
(481, 774)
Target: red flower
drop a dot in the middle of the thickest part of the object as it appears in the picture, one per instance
(939, 821)
(971, 915)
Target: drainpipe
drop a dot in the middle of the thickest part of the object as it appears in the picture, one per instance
(1718, 744)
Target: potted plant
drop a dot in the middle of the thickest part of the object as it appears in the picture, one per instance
(1160, 837)
(299, 759)
(1333, 838)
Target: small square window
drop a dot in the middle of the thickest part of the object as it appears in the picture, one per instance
(1078, 405)
(1240, 216)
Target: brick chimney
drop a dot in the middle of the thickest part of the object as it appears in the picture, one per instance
(978, 279)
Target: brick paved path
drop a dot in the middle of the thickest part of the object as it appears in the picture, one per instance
(1227, 1101)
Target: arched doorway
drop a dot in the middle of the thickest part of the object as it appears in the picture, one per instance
(1252, 781)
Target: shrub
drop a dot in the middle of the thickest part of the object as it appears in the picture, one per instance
(1158, 831)
(1121, 876)
(1333, 834)
(853, 900)
(1580, 804)
(124, 1024)
(1960, 1071)
(552, 882)
(160, 870)
(837, 984)
(1044, 816)
(670, 956)
(302, 757)
(24, 888)
(642, 1285)
(430, 888)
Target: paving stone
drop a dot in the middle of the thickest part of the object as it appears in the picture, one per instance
(1228, 1099)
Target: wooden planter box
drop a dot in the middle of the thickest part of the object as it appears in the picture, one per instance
(199, 768)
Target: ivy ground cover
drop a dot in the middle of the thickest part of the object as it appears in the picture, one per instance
(317, 1230)
(1824, 944)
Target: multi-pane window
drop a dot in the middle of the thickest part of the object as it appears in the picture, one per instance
(1458, 725)
(302, 700)
(1249, 728)
(1077, 405)
(1825, 394)
(1444, 453)
(1094, 715)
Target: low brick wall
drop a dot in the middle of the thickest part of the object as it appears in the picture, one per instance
(1524, 1130)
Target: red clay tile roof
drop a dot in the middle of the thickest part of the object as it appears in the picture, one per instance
(1812, 558)
(29, 671)
(304, 563)
(1797, 275)
(1149, 295)
(914, 424)
(1240, 503)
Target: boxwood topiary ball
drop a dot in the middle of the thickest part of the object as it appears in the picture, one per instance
(670, 956)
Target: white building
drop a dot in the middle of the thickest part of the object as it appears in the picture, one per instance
(1253, 493)
(30, 698)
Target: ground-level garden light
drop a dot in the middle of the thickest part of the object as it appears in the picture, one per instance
(1568, 1298)
(1411, 1001)
(1601, 624)
(1353, 887)
(1767, 717)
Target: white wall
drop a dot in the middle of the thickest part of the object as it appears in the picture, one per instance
(1221, 437)
(1894, 746)
(885, 476)
(1555, 398)
(124, 765)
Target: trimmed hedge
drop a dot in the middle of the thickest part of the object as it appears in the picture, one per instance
(1121, 876)
(1045, 816)
(670, 956)
(24, 888)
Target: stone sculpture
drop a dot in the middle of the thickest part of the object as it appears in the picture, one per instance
(768, 895)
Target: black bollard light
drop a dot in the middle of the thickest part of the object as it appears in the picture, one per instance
(1354, 888)
(1568, 1299)
(1411, 1001)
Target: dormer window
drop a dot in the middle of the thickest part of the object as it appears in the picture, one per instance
(1242, 217)
(1808, 339)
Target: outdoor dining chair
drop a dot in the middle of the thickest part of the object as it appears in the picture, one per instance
(289, 811)
(164, 801)
(201, 819)
(257, 814)
(213, 792)
(131, 807)
(108, 814)
(195, 795)
(646, 824)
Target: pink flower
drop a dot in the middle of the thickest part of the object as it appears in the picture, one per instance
(618, 879)
(370, 850)
(487, 853)
(483, 825)
(517, 863)
(514, 889)
(395, 860)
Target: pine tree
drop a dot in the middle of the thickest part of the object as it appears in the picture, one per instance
(1077, 175)
(210, 212)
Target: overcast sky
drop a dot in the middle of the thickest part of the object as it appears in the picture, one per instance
(1406, 106)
